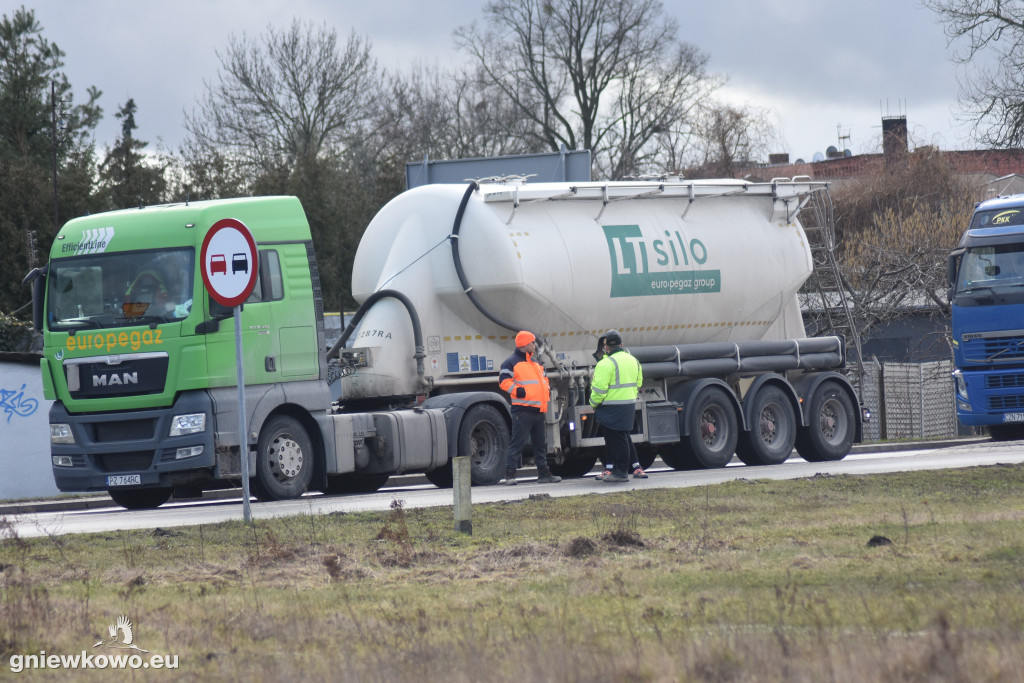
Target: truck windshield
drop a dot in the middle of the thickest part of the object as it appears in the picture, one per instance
(120, 289)
(991, 269)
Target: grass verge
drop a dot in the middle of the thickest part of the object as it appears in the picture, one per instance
(896, 577)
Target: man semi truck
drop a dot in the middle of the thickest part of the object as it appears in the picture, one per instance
(700, 277)
(986, 278)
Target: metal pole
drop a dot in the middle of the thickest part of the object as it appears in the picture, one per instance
(243, 440)
(53, 152)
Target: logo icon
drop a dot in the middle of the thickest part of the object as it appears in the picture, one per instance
(121, 636)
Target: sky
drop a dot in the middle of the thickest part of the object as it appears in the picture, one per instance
(826, 71)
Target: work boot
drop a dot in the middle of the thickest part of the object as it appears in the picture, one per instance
(510, 478)
(545, 477)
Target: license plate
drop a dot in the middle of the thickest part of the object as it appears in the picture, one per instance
(1013, 417)
(124, 479)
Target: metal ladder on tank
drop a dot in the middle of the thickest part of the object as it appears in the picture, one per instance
(825, 290)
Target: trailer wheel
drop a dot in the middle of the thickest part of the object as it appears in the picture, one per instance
(483, 436)
(713, 432)
(771, 437)
(831, 425)
(284, 460)
(576, 463)
(356, 483)
(140, 499)
(646, 454)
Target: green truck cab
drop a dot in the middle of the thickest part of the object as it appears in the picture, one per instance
(140, 361)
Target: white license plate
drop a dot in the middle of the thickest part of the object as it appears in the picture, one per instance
(1013, 417)
(124, 479)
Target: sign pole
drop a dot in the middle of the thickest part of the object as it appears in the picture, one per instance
(243, 439)
(229, 263)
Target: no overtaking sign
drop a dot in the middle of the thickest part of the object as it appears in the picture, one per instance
(228, 261)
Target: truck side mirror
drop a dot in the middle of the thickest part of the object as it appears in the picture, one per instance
(952, 268)
(37, 278)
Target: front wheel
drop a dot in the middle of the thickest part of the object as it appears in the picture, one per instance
(831, 425)
(140, 499)
(576, 463)
(284, 460)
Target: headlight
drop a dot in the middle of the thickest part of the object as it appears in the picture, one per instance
(61, 433)
(188, 424)
(961, 384)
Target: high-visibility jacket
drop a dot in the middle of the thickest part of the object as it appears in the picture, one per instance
(524, 380)
(614, 388)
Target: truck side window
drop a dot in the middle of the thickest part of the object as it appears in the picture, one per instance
(269, 285)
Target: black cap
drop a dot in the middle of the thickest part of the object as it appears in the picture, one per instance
(613, 338)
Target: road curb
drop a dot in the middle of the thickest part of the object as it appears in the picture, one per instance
(98, 501)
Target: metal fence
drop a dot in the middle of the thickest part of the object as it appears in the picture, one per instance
(909, 400)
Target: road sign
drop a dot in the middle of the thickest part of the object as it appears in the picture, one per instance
(229, 262)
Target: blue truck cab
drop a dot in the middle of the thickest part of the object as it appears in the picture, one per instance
(986, 279)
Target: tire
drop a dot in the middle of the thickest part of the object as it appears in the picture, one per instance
(713, 427)
(771, 437)
(831, 425)
(578, 462)
(140, 499)
(484, 437)
(646, 454)
(284, 460)
(1006, 432)
(356, 483)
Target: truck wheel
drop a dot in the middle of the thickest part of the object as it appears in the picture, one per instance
(713, 431)
(831, 425)
(646, 454)
(356, 483)
(284, 460)
(483, 436)
(577, 462)
(140, 499)
(442, 477)
(771, 437)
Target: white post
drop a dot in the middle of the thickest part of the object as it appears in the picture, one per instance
(462, 483)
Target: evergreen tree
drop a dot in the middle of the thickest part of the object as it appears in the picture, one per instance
(126, 177)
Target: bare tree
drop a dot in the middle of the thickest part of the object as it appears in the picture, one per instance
(993, 95)
(728, 138)
(610, 76)
(896, 228)
(295, 94)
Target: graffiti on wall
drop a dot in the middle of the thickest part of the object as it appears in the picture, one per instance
(14, 403)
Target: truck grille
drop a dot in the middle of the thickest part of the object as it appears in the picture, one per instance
(136, 376)
(135, 461)
(1010, 402)
(994, 349)
(124, 430)
(1004, 381)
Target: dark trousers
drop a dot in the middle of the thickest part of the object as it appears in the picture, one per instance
(527, 426)
(619, 449)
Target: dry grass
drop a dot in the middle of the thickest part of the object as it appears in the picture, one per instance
(745, 581)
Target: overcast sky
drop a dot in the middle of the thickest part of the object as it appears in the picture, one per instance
(823, 68)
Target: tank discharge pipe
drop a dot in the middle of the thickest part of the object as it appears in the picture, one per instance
(414, 318)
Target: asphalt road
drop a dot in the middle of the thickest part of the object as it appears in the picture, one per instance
(75, 516)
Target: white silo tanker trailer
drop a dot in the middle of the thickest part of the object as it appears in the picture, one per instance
(700, 278)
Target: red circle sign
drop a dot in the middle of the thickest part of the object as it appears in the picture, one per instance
(229, 262)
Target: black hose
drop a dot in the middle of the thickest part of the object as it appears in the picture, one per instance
(466, 287)
(414, 318)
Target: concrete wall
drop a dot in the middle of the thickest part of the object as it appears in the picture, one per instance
(24, 429)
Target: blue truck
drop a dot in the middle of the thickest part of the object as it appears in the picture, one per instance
(986, 279)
